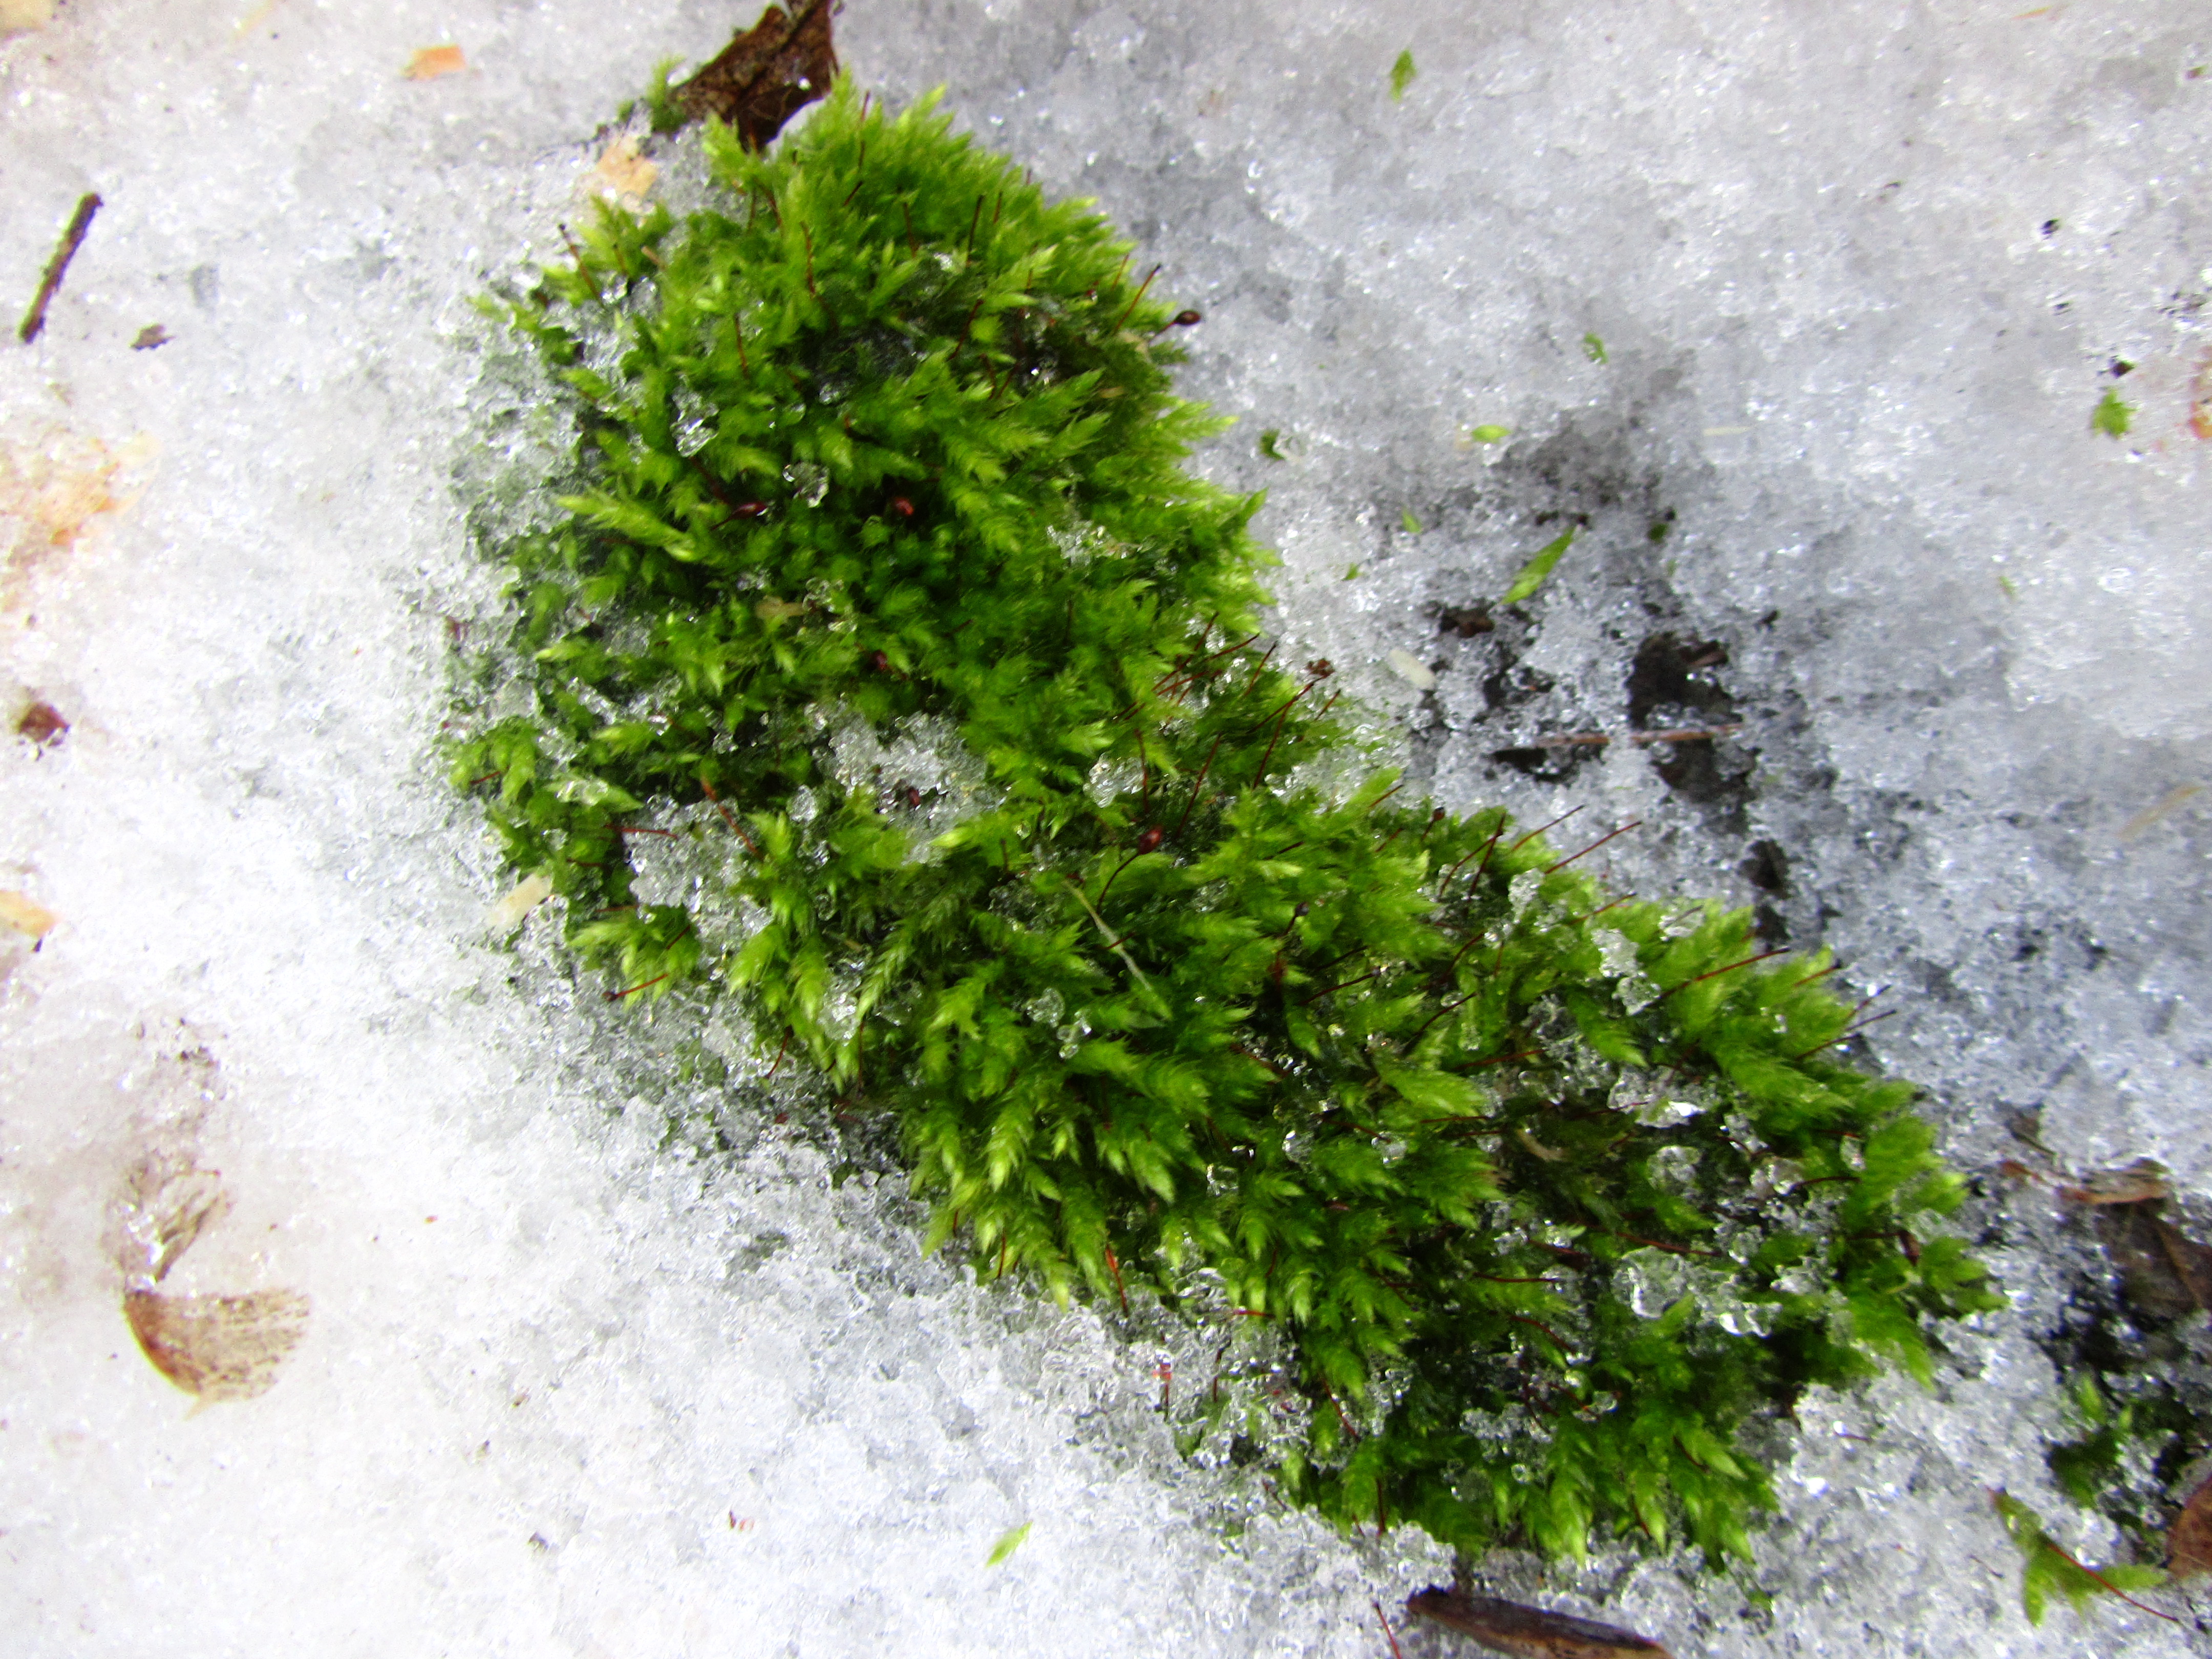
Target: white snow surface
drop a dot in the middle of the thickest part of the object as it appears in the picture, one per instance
(572, 1383)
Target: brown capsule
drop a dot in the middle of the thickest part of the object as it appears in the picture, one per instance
(912, 796)
(750, 509)
(1151, 839)
(880, 663)
(1185, 318)
(903, 506)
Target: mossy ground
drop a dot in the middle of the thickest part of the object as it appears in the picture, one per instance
(1546, 1194)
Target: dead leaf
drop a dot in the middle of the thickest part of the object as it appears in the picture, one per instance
(24, 915)
(2166, 804)
(430, 62)
(51, 490)
(219, 1347)
(2141, 1181)
(767, 74)
(1529, 1632)
(2189, 1542)
(623, 174)
(167, 1202)
(149, 337)
(2164, 1273)
(507, 914)
(16, 15)
(42, 723)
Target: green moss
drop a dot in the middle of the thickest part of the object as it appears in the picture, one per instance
(1545, 1195)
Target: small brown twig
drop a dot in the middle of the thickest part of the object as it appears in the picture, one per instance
(34, 319)
(1682, 734)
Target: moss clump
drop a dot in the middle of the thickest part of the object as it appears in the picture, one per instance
(1546, 1195)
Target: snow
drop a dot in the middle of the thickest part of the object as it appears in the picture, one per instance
(1860, 273)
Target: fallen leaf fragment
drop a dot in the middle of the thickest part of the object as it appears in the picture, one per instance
(1538, 568)
(1529, 1632)
(767, 74)
(219, 1347)
(623, 172)
(2189, 1542)
(430, 62)
(2139, 1183)
(52, 489)
(24, 915)
(42, 723)
(2164, 807)
(1409, 668)
(1008, 1545)
(16, 15)
(149, 337)
(2164, 1273)
(507, 914)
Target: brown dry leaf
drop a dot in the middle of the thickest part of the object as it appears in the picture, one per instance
(623, 174)
(219, 1347)
(2189, 1542)
(42, 723)
(1529, 1632)
(767, 74)
(51, 490)
(428, 63)
(2140, 1183)
(167, 1203)
(25, 915)
(2164, 1273)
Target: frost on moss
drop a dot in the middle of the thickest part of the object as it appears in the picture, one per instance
(1544, 1194)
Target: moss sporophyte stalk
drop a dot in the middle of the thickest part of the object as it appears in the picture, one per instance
(1545, 1195)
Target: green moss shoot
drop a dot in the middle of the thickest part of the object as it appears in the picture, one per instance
(1545, 1195)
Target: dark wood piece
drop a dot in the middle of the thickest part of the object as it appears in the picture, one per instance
(1529, 1632)
(767, 74)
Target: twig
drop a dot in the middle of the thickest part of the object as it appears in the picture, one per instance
(1682, 734)
(34, 319)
